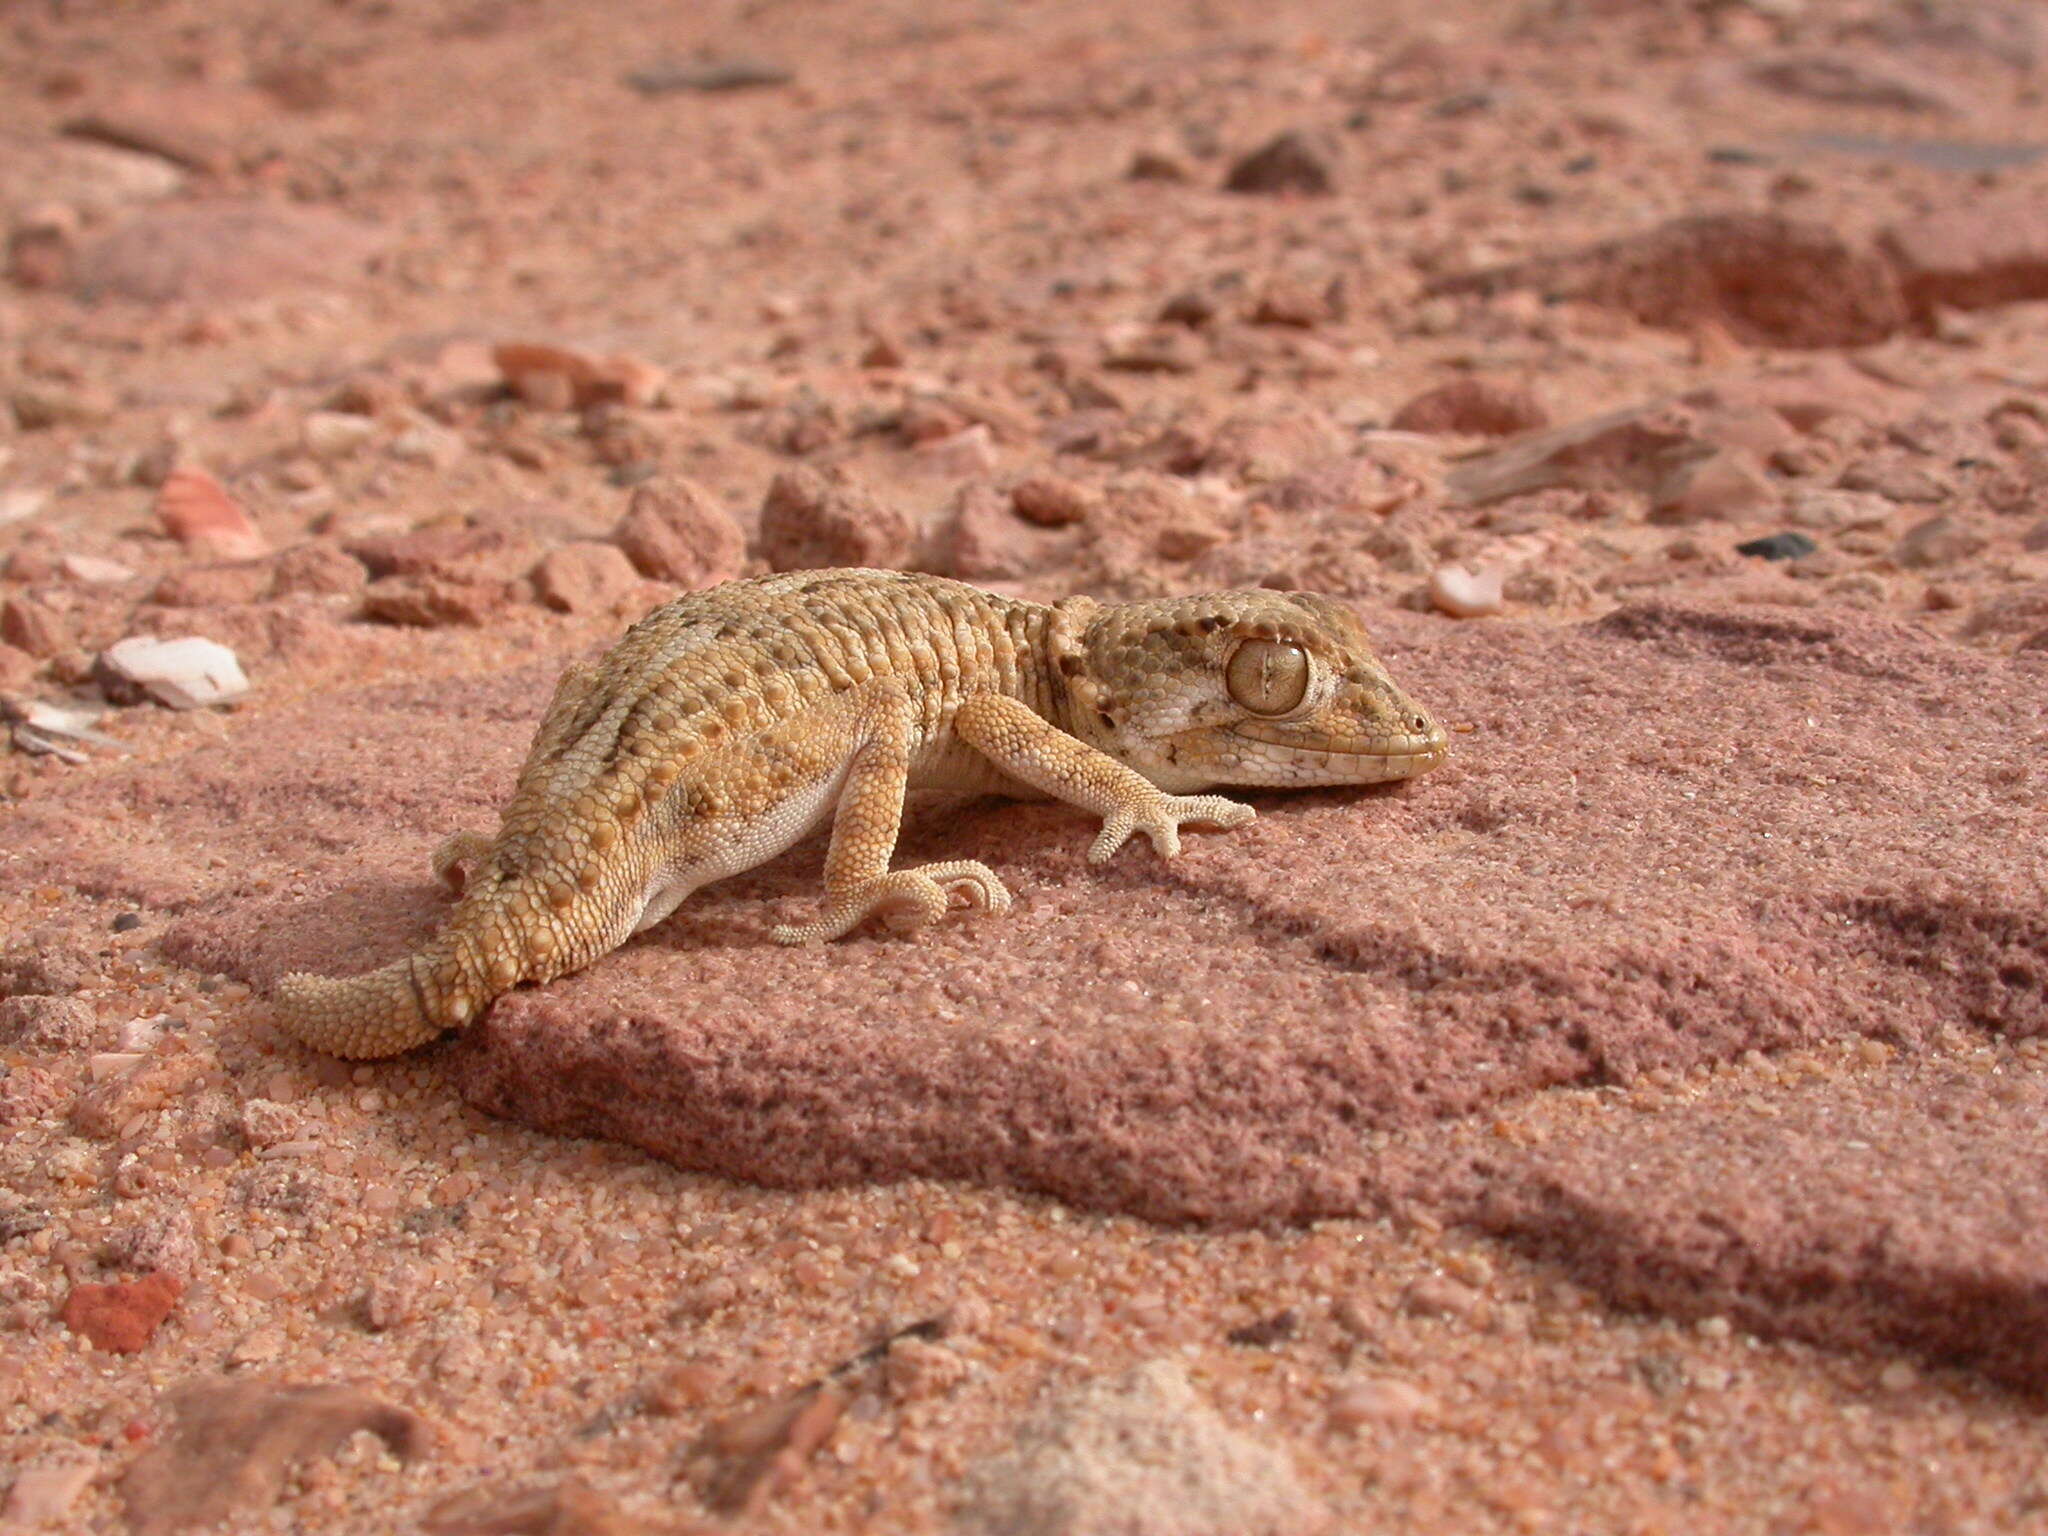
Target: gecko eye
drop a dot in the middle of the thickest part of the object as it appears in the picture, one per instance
(1268, 677)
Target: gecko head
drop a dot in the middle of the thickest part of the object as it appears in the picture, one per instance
(1253, 688)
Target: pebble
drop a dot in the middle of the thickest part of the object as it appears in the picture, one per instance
(1778, 546)
(1473, 407)
(35, 627)
(333, 435)
(121, 1318)
(674, 531)
(1050, 501)
(1940, 540)
(188, 673)
(812, 520)
(585, 577)
(1294, 161)
(40, 407)
(1464, 592)
(1379, 1400)
(561, 378)
(197, 511)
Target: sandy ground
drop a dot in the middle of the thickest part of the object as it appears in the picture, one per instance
(1631, 1127)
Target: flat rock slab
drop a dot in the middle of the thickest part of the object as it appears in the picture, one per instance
(1671, 836)
(1904, 1211)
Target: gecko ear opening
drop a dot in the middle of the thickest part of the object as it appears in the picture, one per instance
(1267, 677)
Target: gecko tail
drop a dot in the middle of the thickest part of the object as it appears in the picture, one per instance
(380, 1013)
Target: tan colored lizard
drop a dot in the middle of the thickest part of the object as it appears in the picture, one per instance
(730, 723)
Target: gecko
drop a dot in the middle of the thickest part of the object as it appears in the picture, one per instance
(730, 723)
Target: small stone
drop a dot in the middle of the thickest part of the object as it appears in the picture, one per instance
(1379, 1400)
(1778, 546)
(560, 378)
(674, 531)
(34, 627)
(1157, 165)
(812, 521)
(1163, 349)
(1896, 479)
(429, 602)
(1299, 303)
(1720, 487)
(120, 1318)
(92, 571)
(189, 673)
(1293, 161)
(1898, 1376)
(334, 435)
(1267, 1331)
(1941, 540)
(316, 569)
(428, 443)
(213, 586)
(40, 407)
(1473, 407)
(1050, 501)
(1438, 1296)
(1825, 510)
(585, 577)
(1973, 254)
(1464, 592)
(883, 351)
(197, 512)
(968, 452)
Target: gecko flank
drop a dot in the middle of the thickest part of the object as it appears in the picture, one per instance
(730, 723)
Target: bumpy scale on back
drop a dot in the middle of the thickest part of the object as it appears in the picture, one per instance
(727, 725)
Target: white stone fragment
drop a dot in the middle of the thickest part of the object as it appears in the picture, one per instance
(330, 435)
(94, 571)
(1466, 592)
(189, 673)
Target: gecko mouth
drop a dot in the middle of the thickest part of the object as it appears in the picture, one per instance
(1422, 749)
(1422, 744)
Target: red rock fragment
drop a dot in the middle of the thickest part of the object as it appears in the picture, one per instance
(199, 513)
(213, 586)
(811, 520)
(316, 569)
(1050, 501)
(673, 531)
(1475, 407)
(34, 627)
(233, 1443)
(1769, 281)
(429, 602)
(1294, 161)
(120, 1318)
(1993, 251)
(559, 378)
(584, 577)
